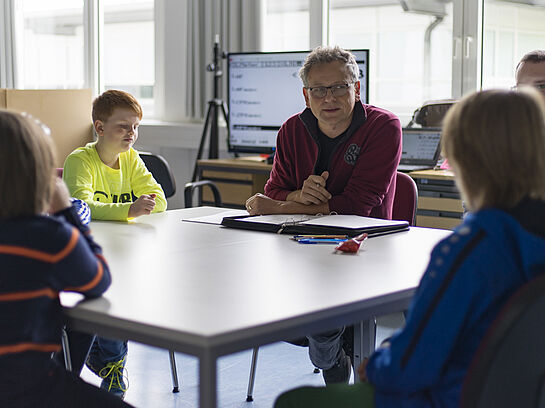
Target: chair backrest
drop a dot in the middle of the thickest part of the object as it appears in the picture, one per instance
(508, 369)
(196, 185)
(161, 172)
(405, 198)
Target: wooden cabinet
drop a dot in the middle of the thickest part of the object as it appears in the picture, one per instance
(439, 201)
(237, 179)
(67, 112)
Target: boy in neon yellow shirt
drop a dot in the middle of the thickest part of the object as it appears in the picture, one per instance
(112, 179)
(108, 174)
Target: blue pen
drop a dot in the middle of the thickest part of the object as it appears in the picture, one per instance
(320, 240)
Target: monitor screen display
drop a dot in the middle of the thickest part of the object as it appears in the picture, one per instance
(264, 90)
(420, 146)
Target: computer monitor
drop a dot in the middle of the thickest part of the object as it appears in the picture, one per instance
(264, 90)
(420, 148)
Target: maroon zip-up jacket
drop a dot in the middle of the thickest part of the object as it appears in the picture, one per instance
(362, 167)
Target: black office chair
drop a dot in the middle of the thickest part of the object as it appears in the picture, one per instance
(196, 185)
(161, 172)
(508, 369)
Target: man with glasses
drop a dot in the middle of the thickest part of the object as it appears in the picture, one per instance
(531, 71)
(338, 155)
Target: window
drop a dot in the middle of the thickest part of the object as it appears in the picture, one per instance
(286, 25)
(410, 48)
(410, 51)
(49, 44)
(510, 30)
(412, 58)
(128, 50)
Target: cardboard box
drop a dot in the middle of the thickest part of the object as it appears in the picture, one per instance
(67, 112)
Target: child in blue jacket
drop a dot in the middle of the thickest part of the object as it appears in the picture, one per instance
(40, 256)
(495, 142)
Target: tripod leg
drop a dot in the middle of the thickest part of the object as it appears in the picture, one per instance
(226, 118)
(213, 152)
(203, 137)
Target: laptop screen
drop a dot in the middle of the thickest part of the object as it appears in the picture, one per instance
(420, 146)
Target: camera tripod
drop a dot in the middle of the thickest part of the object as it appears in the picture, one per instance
(215, 107)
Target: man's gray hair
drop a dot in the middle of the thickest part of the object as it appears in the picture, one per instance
(324, 55)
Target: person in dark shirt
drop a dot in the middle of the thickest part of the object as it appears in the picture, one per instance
(339, 155)
(44, 250)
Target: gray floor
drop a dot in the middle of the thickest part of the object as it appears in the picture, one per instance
(280, 367)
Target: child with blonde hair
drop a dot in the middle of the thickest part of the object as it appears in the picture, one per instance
(44, 249)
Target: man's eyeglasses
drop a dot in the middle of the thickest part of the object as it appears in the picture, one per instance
(539, 87)
(336, 90)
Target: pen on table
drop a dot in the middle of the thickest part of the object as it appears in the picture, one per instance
(321, 240)
(298, 237)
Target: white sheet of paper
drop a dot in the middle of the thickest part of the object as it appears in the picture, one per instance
(279, 219)
(217, 218)
(350, 221)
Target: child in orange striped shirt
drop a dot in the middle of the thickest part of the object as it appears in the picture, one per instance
(41, 255)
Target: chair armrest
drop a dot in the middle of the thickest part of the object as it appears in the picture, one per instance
(190, 187)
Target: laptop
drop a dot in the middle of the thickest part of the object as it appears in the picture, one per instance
(420, 149)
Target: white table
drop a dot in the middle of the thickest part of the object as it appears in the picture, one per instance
(208, 291)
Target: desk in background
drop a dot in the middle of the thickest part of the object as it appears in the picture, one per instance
(439, 201)
(237, 179)
(209, 291)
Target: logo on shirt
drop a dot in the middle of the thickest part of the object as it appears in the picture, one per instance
(103, 197)
(351, 154)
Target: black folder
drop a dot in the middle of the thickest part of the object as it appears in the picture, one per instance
(351, 225)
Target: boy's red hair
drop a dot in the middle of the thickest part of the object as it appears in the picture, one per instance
(104, 105)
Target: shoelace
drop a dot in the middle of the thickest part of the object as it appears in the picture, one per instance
(115, 371)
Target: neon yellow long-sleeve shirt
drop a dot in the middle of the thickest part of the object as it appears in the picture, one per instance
(110, 192)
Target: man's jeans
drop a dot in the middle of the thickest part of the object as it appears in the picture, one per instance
(324, 349)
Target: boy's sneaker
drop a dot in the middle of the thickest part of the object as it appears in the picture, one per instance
(112, 375)
(340, 372)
